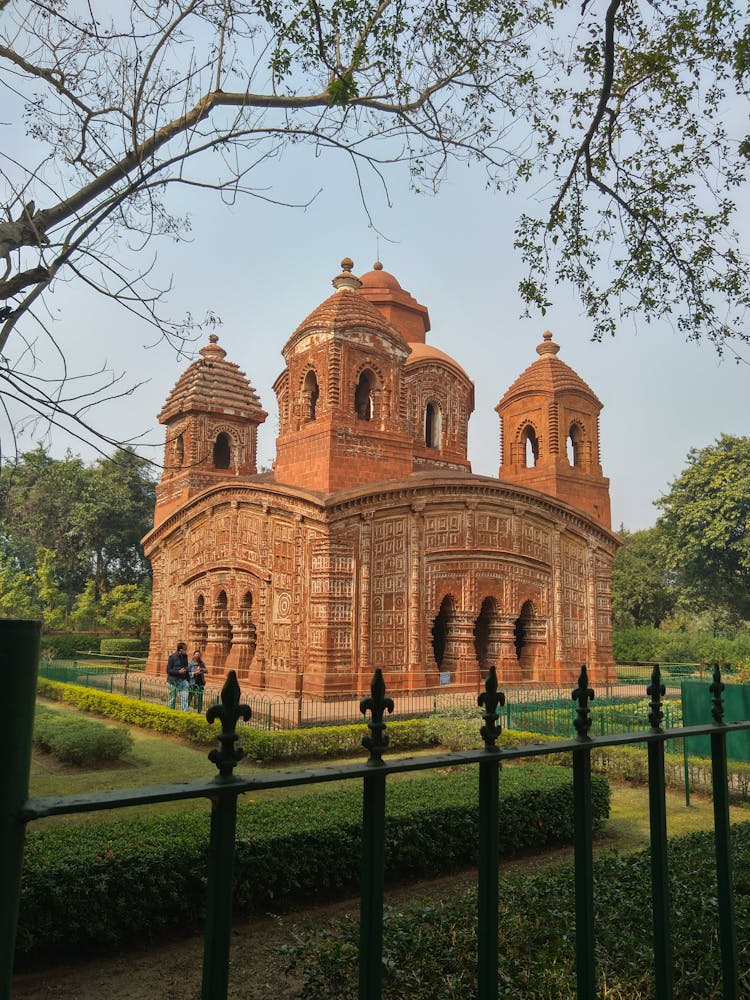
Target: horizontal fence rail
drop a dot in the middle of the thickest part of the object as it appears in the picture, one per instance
(17, 809)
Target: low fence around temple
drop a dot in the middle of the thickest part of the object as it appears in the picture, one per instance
(539, 709)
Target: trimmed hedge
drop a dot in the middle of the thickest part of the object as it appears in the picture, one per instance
(264, 746)
(67, 644)
(96, 884)
(430, 948)
(121, 647)
(78, 740)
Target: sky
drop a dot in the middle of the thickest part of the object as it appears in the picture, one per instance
(263, 267)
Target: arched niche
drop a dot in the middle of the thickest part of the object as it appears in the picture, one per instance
(310, 395)
(222, 454)
(529, 447)
(574, 445)
(433, 425)
(363, 402)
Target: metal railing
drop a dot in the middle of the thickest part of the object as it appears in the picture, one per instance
(21, 644)
(542, 708)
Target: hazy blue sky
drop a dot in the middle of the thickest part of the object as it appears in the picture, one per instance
(263, 268)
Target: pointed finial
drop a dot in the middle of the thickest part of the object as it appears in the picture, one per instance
(492, 701)
(377, 704)
(212, 351)
(377, 266)
(548, 346)
(346, 279)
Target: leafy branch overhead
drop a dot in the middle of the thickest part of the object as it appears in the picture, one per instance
(614, 118)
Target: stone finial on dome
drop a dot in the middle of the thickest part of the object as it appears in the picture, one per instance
(548, 346)
(346, 279)
(377, 266)
(212, 351)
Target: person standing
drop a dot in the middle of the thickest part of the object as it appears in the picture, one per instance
(178, 677)
(197, 671)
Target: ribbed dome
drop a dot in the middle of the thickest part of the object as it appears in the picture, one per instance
(548, 375)
(426, 352)
(343, 310)
(213, 385)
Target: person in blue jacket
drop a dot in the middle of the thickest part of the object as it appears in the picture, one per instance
(178, 677)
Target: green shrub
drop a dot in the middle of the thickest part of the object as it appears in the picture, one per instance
(430, 948)
(267, 746)
(102, 883)
(121, 647)
(78, 740)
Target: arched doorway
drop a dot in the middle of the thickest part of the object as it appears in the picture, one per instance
(441, 633)
(521, 637)
(486, 634)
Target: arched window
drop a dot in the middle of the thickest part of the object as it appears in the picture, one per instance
(432, 425)
(310, 393)
(179, 451)
(530, 445)
(521, 627)
(363, 396)
(575, 445)
(222, 453)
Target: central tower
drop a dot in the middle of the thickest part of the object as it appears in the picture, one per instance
(341, 419)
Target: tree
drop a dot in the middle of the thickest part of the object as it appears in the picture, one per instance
(643, 590)
(706, 525)
(91, 518)
(113, 513)
(616, 114)
(37, 494)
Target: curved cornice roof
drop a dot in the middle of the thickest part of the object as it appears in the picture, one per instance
(212, 384)
(548, 375)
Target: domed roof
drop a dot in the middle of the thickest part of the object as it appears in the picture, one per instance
(426, 352)
(345, 310)
(548, 375)
(212, 384)
(399, 307)
(378, 278)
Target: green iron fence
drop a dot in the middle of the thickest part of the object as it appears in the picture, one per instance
(540, 709)
(21, 645)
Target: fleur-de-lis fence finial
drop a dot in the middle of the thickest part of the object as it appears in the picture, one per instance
(230, 711)
(491, 699)
(377, 739)
(716, 689)
(656, 691)
(583, 694)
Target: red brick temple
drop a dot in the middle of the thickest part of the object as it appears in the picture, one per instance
(372, 544)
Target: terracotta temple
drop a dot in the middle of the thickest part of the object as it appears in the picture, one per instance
(372, 544)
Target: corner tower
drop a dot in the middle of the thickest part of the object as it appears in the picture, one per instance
(212, 417)
(549, 434)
